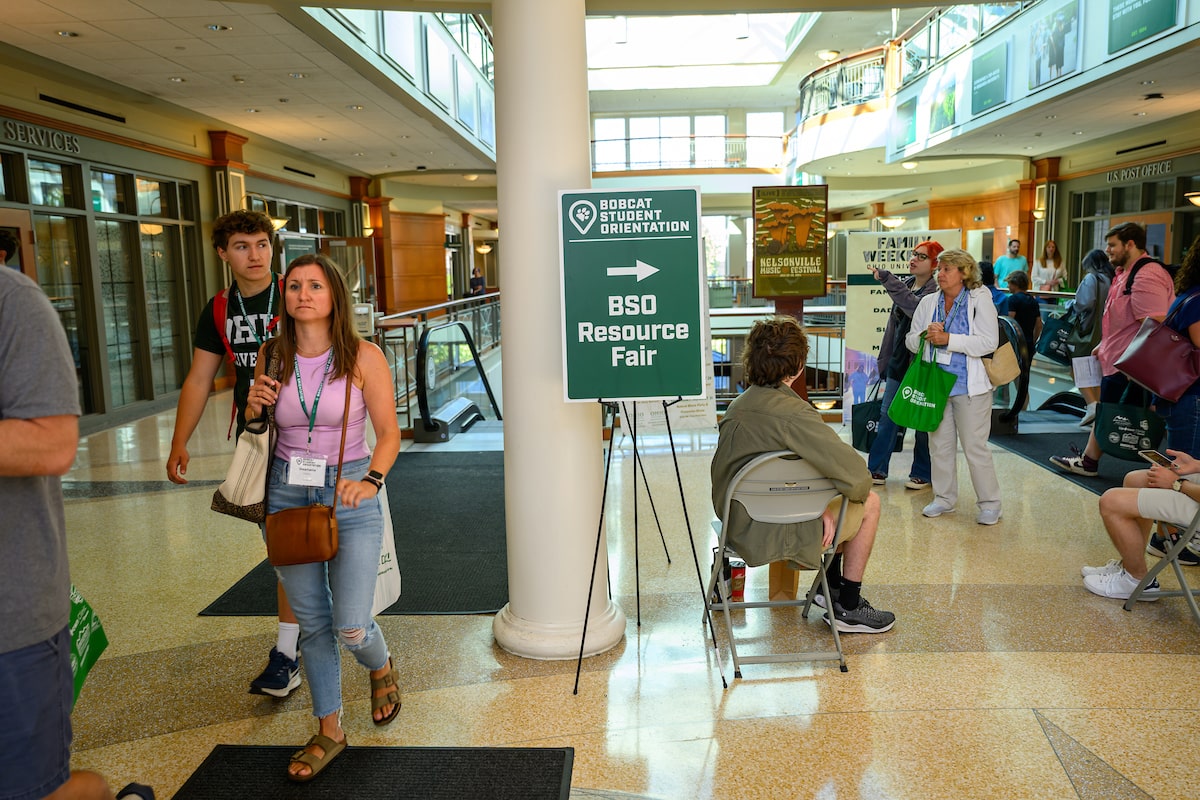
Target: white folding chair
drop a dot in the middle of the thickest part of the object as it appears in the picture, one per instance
(777, 487)
(1172, 558)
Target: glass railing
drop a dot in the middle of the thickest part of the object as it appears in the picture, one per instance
(947, 30)
(400, 334)
(452, 379)
(849, 82)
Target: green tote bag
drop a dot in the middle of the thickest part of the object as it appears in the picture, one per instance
(921, 399)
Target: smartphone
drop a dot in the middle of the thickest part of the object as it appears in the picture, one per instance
(1155, 457)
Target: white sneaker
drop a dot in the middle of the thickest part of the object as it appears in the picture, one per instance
(988, 516)
(1119, 585)
(1089, 416)
(936, 509)
(1111, 568)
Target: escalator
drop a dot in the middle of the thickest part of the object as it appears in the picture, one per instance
(454, 384)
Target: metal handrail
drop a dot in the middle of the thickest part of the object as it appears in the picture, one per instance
(422, 363)
(850, 81)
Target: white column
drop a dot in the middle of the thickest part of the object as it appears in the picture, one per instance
(553, 463)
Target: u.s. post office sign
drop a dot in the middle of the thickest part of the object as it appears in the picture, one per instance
(633, 294)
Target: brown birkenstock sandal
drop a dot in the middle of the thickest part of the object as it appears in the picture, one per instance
(312, 761)
(392, 698)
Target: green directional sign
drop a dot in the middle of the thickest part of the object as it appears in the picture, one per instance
(632, 300)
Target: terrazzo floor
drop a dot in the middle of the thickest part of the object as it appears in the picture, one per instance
(1003, 677)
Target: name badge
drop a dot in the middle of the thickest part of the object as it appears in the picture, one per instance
(943, 356)
(307, 471)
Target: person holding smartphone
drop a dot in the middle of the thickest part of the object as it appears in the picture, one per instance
(1170, 494)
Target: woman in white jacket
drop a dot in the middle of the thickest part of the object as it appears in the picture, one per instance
(959, 320)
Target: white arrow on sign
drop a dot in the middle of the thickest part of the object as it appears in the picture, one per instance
(641, 270)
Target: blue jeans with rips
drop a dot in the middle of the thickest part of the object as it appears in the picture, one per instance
(332, 600)
(885, 439)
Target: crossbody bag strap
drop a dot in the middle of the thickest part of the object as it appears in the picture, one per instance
(342, 448)
(1179, 309)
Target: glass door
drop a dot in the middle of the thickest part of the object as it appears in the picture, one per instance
(60, 276)
(356, 257)
(119, 292)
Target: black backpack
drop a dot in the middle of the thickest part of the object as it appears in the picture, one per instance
(1171, 269)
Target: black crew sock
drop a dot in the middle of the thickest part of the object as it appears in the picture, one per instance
(833, 573)
(850, 594)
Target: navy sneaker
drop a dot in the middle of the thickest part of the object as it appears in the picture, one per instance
(280, 678)
(1159, 545)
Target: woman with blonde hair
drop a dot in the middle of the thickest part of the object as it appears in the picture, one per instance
(960, 321)
(318, 351)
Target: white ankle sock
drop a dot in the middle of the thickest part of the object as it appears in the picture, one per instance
(289, 638)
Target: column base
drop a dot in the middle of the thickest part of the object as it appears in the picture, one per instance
(557, 642)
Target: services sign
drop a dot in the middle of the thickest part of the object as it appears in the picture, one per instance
(631, 275)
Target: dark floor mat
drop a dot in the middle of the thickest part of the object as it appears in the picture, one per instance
(387, 773)
(1038, 447)
(448, 515)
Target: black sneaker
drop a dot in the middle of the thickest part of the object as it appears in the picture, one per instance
(864, 619)
(1159, 545)
(280, 678)
(819, 598)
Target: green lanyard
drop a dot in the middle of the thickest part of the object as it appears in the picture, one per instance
(312, 418)
(270, 308)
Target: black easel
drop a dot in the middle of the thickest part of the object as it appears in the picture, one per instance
(613, 406)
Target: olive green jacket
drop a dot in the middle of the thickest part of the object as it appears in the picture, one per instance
(766, 418)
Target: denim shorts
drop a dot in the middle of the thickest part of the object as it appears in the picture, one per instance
(36, 694)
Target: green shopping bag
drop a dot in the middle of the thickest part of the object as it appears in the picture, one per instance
(921, 399)
(1122, 428)
(87, 638)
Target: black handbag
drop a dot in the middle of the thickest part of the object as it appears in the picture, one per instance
(864, 423)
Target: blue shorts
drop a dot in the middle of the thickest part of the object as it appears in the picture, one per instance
(36, 694)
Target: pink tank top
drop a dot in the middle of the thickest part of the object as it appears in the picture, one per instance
(327, 432)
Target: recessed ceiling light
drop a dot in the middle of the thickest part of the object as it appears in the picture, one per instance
(251, 110)
(297, 75)
(471, 176)
(1052, 116)
(909, 164)
(1148, 83)
(999, 135)
(1139, 113)
(1078, 133)
(177, 79)
(219, 28)
(1028, 147)
(285, 100)
(359, 155)
(322, 139)
(354, 107)
(828, 55)
(238, 79)
(68, 34)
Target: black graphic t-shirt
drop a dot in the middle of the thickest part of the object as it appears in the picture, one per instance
(241, 330)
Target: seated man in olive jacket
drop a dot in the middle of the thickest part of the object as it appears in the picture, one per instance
(770, 416)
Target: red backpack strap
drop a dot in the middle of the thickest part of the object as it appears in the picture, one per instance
(220, 315)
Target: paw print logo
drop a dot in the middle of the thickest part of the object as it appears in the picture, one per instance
(582, 214)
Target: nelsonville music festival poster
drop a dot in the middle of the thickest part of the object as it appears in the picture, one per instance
(790, 245)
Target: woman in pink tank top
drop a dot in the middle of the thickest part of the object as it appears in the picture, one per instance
(319, 351)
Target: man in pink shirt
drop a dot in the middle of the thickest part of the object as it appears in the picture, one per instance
(1141, 288)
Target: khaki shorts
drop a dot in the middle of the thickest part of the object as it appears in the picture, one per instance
(1167, 505)
(854, 517)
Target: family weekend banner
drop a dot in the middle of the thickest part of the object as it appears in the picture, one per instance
(867, 304)
(790, 245)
